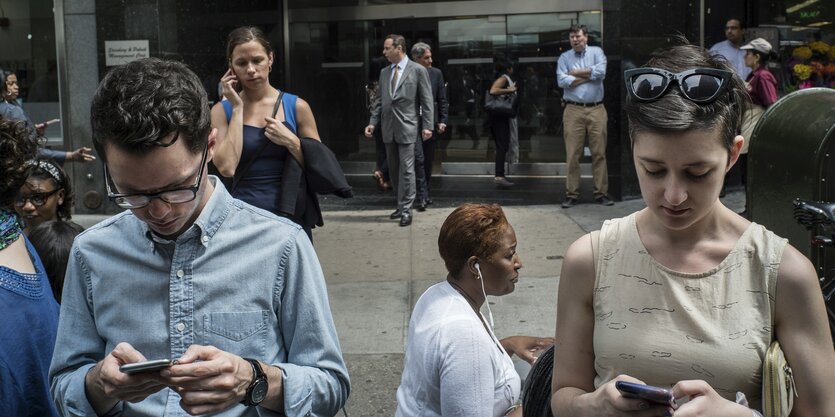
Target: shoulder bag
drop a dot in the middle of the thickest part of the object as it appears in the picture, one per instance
(503, 105)
(778, 383)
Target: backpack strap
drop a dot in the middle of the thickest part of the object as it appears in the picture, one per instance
(237, 178)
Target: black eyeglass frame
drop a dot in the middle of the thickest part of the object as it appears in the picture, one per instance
(21, 200)
(116, 197)
(723, 75)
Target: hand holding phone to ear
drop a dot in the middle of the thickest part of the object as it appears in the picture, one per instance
(231, 87)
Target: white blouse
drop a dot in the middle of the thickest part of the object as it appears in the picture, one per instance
(454, 366)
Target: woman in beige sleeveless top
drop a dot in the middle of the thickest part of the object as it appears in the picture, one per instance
(686, 294)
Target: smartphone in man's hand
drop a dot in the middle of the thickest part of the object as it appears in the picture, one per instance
(147, 366)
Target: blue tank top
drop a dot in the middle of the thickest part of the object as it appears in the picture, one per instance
(261, 184)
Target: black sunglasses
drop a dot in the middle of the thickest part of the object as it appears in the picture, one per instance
(699, 85)
(172, 196)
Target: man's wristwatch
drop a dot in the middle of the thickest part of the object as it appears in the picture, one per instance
(257, 390)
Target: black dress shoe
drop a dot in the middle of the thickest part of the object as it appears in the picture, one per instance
(421, 205)
(569, 202)
(396, 215)
(604, 200)
(405, 219)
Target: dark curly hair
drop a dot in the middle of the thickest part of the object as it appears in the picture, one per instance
(18, 144)
(37, 171)
(138, 104)
(675, 113)
(471, 230)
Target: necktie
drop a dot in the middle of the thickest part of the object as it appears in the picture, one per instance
(394, 80)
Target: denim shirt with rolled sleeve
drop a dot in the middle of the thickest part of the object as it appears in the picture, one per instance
(240, 279)
(590, 92)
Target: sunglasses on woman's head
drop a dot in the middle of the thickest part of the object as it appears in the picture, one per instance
(699, 85)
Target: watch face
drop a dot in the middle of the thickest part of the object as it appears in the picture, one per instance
(259, 391)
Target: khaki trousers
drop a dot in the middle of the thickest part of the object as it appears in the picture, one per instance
(579, 121)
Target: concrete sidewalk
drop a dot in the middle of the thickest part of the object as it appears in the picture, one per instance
(376, 271)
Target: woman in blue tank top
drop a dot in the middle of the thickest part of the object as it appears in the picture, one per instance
(256, 132)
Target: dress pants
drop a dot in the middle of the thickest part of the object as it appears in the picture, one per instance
(578, 121)
(428, 160)
(401, 160)
(380, 148)
(500, 127)
(420, 173)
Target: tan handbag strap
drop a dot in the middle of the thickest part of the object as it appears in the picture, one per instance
(595, 248)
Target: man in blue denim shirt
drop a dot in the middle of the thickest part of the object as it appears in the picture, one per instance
(233, 293)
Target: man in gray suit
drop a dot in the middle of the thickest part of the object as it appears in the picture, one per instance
(404, 89)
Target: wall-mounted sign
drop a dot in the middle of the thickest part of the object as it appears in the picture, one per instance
(122, 52)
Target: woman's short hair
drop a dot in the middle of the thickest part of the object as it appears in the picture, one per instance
(502, 66)
(53, 241)
(18, 144)
(48, 170)
(471, 230)
(246, 34)
(675, 113)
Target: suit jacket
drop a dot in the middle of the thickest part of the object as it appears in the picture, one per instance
(436, 78)
(399, 114)
(321, 174)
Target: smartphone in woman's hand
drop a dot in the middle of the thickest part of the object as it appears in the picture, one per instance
(649, 393)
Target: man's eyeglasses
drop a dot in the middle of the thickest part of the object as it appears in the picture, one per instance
(173, 196)
(699, 85)
(37, 199)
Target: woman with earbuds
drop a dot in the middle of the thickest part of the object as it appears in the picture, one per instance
(455, 365)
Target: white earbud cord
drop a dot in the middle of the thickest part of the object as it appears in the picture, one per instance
(486, 302)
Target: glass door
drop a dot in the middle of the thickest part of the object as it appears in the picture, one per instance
(334, 63)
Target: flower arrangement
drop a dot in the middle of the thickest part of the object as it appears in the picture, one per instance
(812, 65)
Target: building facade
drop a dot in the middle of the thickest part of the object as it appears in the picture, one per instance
(330, 51)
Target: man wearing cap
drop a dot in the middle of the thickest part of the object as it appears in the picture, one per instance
(730, 47)
(580, 73)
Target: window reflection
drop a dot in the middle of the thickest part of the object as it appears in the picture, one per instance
(29, 53)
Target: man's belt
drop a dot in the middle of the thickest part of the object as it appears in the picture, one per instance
(583, 104)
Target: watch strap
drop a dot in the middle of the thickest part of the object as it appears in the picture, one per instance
(257, 375)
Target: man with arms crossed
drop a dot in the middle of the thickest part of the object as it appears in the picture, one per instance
(580, 73)
(233, 293)
(404, 89)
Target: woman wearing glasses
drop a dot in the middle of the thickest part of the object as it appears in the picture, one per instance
(30, 313)
(45, 196)
(686, 294)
